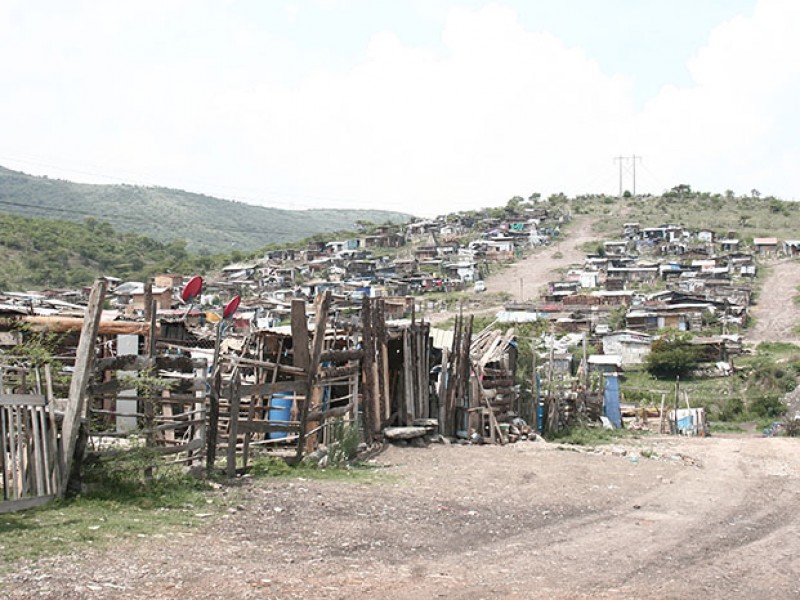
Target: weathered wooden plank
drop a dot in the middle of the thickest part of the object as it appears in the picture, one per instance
(56, 458)
(301, 353)
(135, 362)
(341, 356)
(323, 305)
(160, 450)
(35, 441)
(233, 428)
(268, 389)
(269, 426)
(266, 364)
(45, 449)
(339, 411)
(3, 446)
(9, 506)
(371, 420)
(22, 400)
(332, 372)
(75, 324)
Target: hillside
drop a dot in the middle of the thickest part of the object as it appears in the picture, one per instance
(206, 223)
(41, 253)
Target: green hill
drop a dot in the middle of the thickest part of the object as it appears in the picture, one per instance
(41, 253)
(206, 223)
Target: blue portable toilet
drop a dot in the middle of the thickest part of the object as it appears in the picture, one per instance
(611, 407)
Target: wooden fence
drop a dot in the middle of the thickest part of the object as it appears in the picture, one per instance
(30, 459)
(166, 406)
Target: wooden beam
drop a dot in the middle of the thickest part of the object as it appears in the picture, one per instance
(22, 400)
(80, 379)
(233, 424)
(301, 357)
(323, 305)
(75, 324)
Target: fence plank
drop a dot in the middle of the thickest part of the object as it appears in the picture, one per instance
(22, 400)
(80, 378)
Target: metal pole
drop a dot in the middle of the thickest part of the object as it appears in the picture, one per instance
(217, 345)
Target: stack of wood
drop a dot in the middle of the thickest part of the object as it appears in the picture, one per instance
(455, 382)
(494, 398)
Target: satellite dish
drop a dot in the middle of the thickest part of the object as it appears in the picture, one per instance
(192, 288)
(230, 307)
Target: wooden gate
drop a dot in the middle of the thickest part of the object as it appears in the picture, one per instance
(29, 444)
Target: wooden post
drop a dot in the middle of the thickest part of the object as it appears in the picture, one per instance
(149, 399)
(368, 364)
(323, 305)
(84, 362)
(233, 423)
(300, 351)
(382, 360)
(677, 401)
(213, 420)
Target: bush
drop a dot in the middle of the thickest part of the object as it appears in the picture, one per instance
(672, 356)
(767, 407)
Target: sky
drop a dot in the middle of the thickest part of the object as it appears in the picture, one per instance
(423, 106)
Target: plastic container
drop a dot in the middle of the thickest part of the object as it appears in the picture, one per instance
(280, 410)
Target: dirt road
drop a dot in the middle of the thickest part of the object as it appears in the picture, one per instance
(525, 279)
(537, 269)
(657, 518)
(776, 312)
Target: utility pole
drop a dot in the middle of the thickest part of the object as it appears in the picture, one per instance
(627, 163)
(621, 161)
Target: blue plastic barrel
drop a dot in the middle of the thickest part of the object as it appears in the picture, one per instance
(280, 410)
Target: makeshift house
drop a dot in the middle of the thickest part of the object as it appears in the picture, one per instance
(631, 346)
(765, 246)
(791, 247)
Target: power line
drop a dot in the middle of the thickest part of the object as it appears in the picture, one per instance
(627, 164)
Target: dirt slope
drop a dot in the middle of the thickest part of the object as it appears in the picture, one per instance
(534, 271)
(776, 312)
(708, 518)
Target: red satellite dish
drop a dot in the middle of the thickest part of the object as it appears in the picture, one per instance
(192, 288)
(230, 307)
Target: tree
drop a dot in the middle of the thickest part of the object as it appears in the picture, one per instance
(672, 356)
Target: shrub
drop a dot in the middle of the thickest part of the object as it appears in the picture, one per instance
(672, 356)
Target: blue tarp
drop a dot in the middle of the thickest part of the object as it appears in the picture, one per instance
(611, 400)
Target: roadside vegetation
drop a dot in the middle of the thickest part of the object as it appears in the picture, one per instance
(118, 502)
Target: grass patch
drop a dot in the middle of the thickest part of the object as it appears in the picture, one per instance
(119, 505)
(106, 514)
(725, 427)
(270, 467)
(593, 436)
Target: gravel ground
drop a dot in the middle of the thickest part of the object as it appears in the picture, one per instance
(654, 518)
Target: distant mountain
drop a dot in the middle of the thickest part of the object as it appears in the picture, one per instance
(206, 223)
(42, 253)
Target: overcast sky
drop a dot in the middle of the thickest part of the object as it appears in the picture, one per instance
(425, 106)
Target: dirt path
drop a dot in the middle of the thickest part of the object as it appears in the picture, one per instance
(533, 272)
(536, 270)
(776, 312)
(710, 518)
